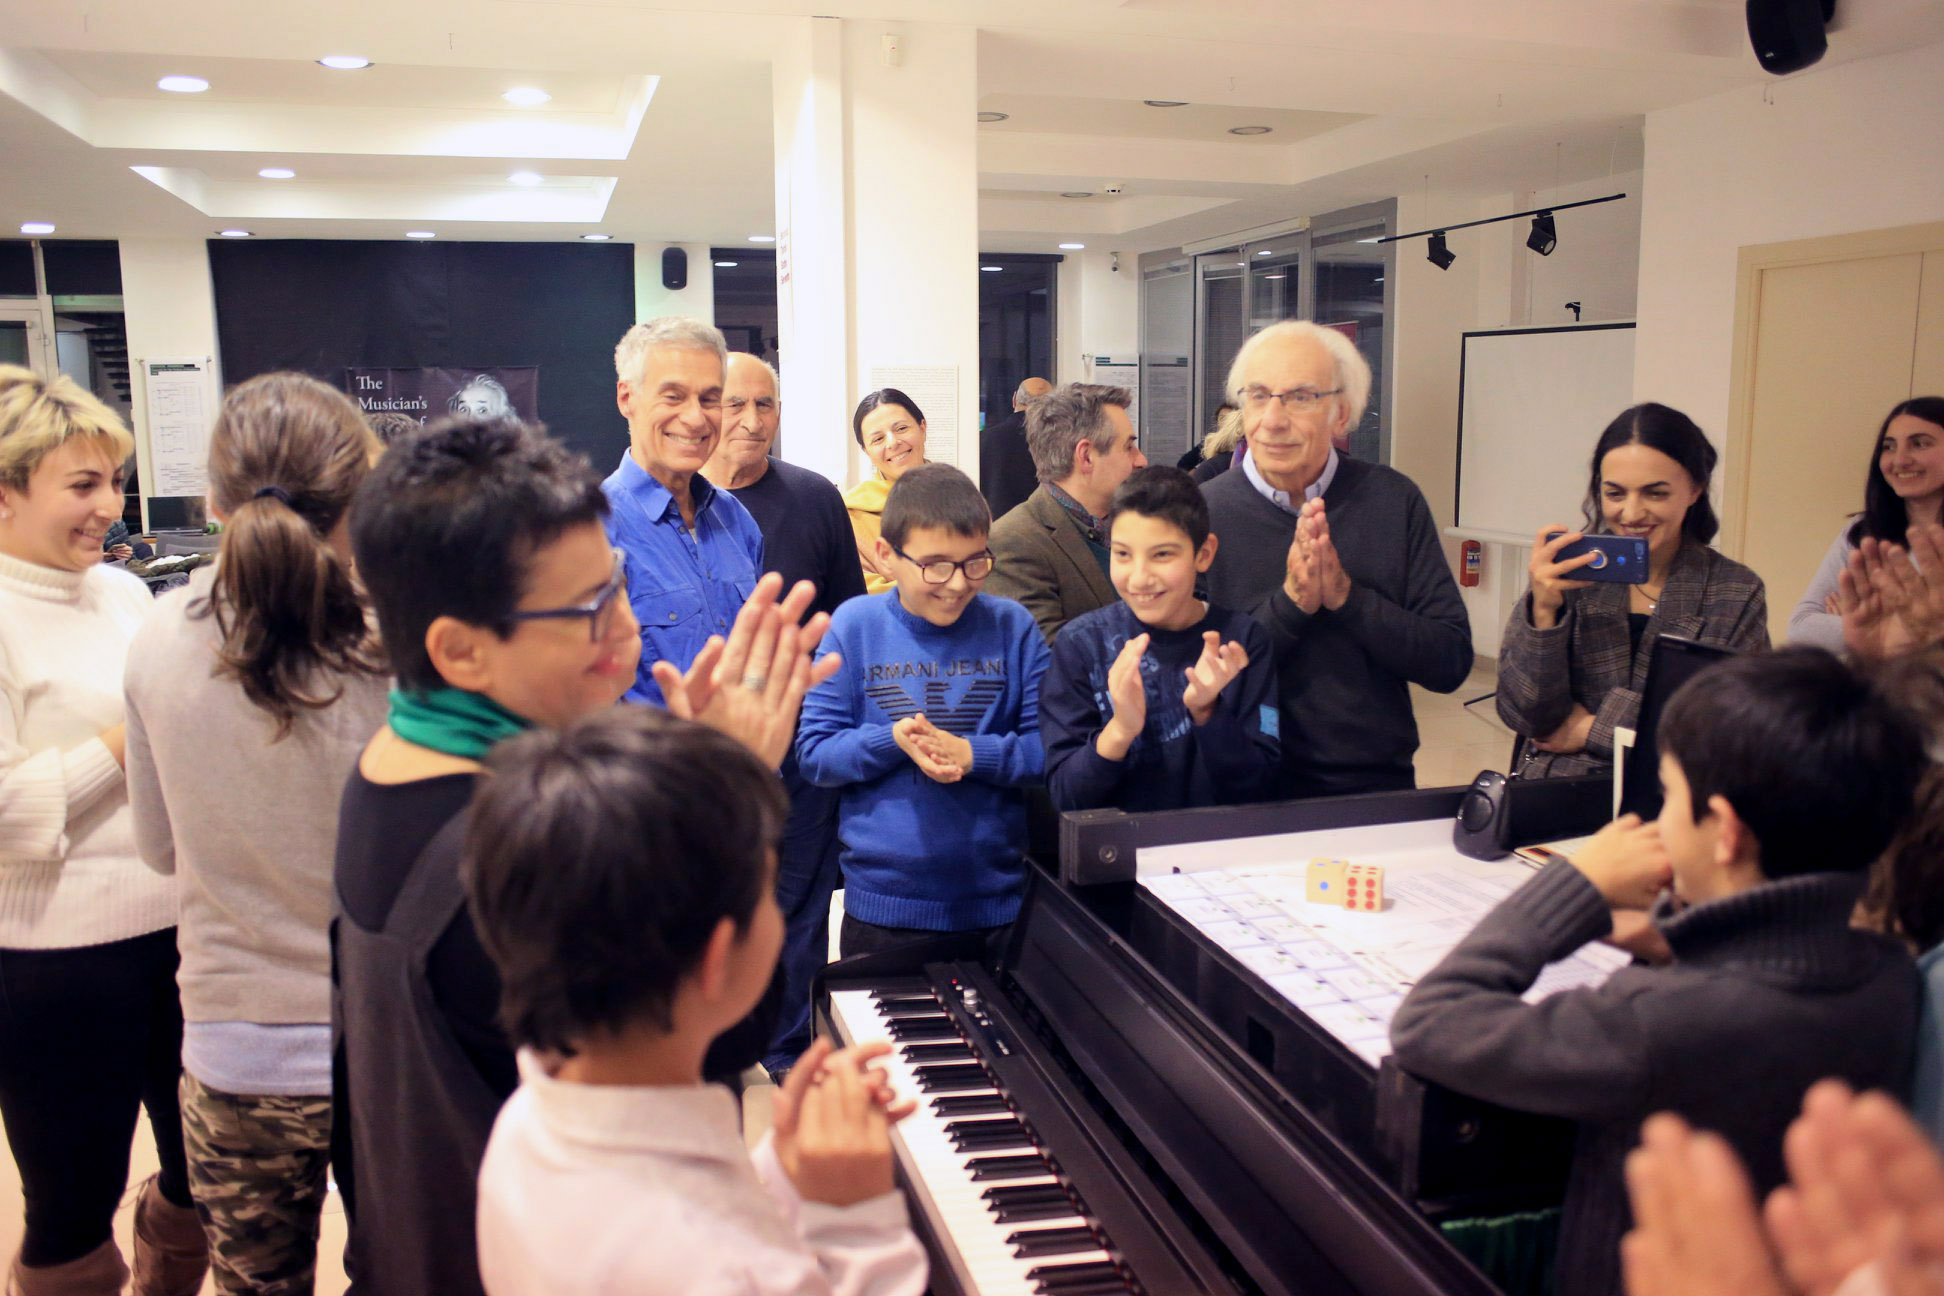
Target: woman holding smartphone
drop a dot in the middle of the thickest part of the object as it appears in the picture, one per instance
(1575, 652)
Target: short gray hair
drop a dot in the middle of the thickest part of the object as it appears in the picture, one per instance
(1352, 370)
(667, 331)
(1058, 421)
(1021, 396)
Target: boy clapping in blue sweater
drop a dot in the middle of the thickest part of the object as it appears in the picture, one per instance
(1160, 701)
(931, 728)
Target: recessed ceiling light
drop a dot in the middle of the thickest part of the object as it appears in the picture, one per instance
(1264, 252)
(526, 96)
(1276, 276)
(992, 269)
(234, 233)
(728, 265)
(596, 238)
(420, 234)
(762, 238)
(182, 84)
(1073, 247)
(1076, 193)
(994, 116)
(37, 227)
(525, 179)
(1248, 130)
(277, 173)
(1165, 103)
(345, 62)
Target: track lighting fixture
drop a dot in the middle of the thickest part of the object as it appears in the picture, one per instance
(1438, 254)
(1544, 238)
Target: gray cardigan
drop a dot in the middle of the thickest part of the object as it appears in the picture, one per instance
(1810, 623)
(249, 825)
(1587, 656)
(1770, 991)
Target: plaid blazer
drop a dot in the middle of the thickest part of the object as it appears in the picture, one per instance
(1588, 656)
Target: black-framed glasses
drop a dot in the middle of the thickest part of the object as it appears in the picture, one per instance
(599, 610)
(939, 570)
(1294, 400)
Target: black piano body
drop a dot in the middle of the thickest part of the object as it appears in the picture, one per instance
(1249, 1149)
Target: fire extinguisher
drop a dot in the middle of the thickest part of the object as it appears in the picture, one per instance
(1472, 554)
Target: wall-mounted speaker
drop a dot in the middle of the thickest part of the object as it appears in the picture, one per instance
(674, 269)
(1789, 35)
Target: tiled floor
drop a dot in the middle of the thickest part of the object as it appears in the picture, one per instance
(1456, 743)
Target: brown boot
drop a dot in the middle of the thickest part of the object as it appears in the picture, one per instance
(98, 1273)
(171, 1253)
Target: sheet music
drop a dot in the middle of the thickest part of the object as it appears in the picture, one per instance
(1348, 971)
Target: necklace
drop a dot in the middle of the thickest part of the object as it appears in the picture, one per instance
(1651, 600)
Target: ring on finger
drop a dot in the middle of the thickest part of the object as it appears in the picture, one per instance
(754, 682)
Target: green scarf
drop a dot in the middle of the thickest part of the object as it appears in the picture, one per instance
(453, 721)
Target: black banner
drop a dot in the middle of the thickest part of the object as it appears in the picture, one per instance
(430, 393)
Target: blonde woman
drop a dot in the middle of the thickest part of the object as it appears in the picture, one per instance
(92, 1029)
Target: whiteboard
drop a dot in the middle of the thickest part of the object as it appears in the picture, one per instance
(1532, 403)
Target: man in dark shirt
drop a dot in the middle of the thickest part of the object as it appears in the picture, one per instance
(1006, 473)
(806, 536)
(1339, 560)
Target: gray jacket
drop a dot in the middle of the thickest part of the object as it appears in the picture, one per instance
(1587, 657)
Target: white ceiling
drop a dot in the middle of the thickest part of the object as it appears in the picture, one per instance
(660, 124)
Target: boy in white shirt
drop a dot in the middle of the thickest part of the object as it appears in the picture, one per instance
(621, 875)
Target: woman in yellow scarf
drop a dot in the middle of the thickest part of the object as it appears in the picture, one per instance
(890, 428)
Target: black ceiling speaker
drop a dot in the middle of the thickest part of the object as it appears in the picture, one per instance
(674, 269)
(1438, 254)
(1544, 238)
(1789, 35)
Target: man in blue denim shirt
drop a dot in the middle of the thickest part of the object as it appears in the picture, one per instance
(692, 552)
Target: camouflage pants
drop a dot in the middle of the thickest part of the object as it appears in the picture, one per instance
(257, 1169)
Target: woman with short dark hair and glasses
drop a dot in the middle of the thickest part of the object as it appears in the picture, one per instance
(1574, 658)
(250, 694)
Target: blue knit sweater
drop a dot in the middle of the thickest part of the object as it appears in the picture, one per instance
(1175, 762)
(916, 853)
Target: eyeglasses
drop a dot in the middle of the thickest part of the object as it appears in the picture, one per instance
(599, 611)
(939, 570)
(1295, 400)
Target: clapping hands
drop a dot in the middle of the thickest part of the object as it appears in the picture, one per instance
(942, 757)
(833, 1119)
(1891, 598)
(1313, 574)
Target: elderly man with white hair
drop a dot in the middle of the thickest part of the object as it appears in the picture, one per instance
(691, 553)
(1339, 559)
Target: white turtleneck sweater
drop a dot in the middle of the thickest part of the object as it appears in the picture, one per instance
(69, 874)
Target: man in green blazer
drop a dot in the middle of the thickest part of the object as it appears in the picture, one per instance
(1051, 551)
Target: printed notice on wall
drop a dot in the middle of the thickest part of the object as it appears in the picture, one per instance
(180, 406)
(934, 390)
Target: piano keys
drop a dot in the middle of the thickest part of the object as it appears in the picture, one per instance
(1079, 1130)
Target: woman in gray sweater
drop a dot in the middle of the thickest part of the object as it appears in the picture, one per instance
(250, 694)
(1905, 485)
(1574, 658)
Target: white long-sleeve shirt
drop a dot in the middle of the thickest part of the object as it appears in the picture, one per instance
(69, 873)
(612, 1190)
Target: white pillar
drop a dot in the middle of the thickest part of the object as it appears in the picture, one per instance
(877, 213)
(169, 311)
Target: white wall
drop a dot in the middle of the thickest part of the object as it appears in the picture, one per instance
(696, 301)
(169, 306)
(1496, 282)
(1830, 151)
(1100, 313)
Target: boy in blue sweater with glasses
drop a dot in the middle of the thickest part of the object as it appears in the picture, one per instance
(930, 728)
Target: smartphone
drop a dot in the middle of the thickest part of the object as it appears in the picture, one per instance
(1616, 558)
